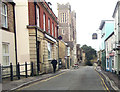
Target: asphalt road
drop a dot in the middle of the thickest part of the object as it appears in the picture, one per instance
(84, 78)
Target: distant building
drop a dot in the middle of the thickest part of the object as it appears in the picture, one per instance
(67, 26)
(110, 53)
(106, 27)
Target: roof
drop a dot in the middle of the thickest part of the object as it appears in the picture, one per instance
(116, 7)
(102, 24)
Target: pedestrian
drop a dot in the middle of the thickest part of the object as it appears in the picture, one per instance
(54, 63)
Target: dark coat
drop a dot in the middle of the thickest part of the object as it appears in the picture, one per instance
(54, 62)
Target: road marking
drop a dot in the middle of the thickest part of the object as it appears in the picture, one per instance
(44, 80)
(104, 83)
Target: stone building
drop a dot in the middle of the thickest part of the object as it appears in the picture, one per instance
(67, 26)
(42, 35)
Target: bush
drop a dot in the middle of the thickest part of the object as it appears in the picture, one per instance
(89, 63)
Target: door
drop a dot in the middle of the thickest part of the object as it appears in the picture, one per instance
(38, 55)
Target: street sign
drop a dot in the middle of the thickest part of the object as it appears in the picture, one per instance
(60, 37)
(94, 36)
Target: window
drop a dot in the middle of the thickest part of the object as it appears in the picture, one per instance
(38, 17)
(107, 63)
(49, 50)
(44, 22)
(48, 25)
(55, 32)
(63, 17)
(52, 29)
(4, 15)
(5, 51)
(112, 63)
(63, 32)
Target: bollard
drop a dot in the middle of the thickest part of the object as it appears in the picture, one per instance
(32, 69)
(11, 72)
(26, 75)
(18, 71)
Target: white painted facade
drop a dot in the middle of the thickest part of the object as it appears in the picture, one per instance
(8, 37)
(21, 16)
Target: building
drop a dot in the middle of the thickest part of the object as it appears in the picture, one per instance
(7, 34)
(116, 46)
(79, 53)
(110, 53)
(106, 27)
(62, 54)
(43, 33)
(67, 27)
(99, 56)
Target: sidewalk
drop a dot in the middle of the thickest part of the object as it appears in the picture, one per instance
(113, 79)
(12, 85)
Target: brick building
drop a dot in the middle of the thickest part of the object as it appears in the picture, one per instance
(42, 35)
(7, 35)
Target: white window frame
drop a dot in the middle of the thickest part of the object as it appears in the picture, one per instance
(49, 49)
(44, 23)
(6, 54)
(52, 29)
(49, 25)
(5, 23)
(38, 16)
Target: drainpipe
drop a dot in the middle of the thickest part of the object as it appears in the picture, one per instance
(36, 37)
(58, 45)
(15, 34)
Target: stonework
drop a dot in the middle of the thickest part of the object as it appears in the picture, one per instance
(67, 27)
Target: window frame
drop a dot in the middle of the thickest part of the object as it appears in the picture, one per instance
(52, 29)
(5, 25)
(49, 47)
(6, 54)
(38, 15)
(49, 25)
(44, 22)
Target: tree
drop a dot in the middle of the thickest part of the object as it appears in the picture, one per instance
(90, 53)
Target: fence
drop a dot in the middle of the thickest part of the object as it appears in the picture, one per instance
(19, 70)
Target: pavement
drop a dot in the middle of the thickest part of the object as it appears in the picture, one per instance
(13, 85)
(85, 78)
(110, 78)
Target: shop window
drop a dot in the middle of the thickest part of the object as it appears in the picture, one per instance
(49, 50)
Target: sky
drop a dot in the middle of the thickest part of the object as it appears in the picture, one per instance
(89, 14)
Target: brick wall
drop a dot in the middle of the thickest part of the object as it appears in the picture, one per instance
(41, 12)
(9, 17)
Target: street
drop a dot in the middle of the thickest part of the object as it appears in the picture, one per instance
(84, 78)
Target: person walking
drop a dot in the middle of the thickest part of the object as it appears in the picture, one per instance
(54, 63)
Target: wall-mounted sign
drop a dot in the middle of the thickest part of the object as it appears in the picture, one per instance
(94, 36)
(60, 37)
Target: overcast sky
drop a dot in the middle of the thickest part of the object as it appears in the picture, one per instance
(89, 15)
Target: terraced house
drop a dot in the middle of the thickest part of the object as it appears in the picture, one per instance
(7, 33)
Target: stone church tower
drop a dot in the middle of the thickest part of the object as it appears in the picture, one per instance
(67, 26)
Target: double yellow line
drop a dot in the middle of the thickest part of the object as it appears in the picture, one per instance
(103, 83)
(40, 81)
